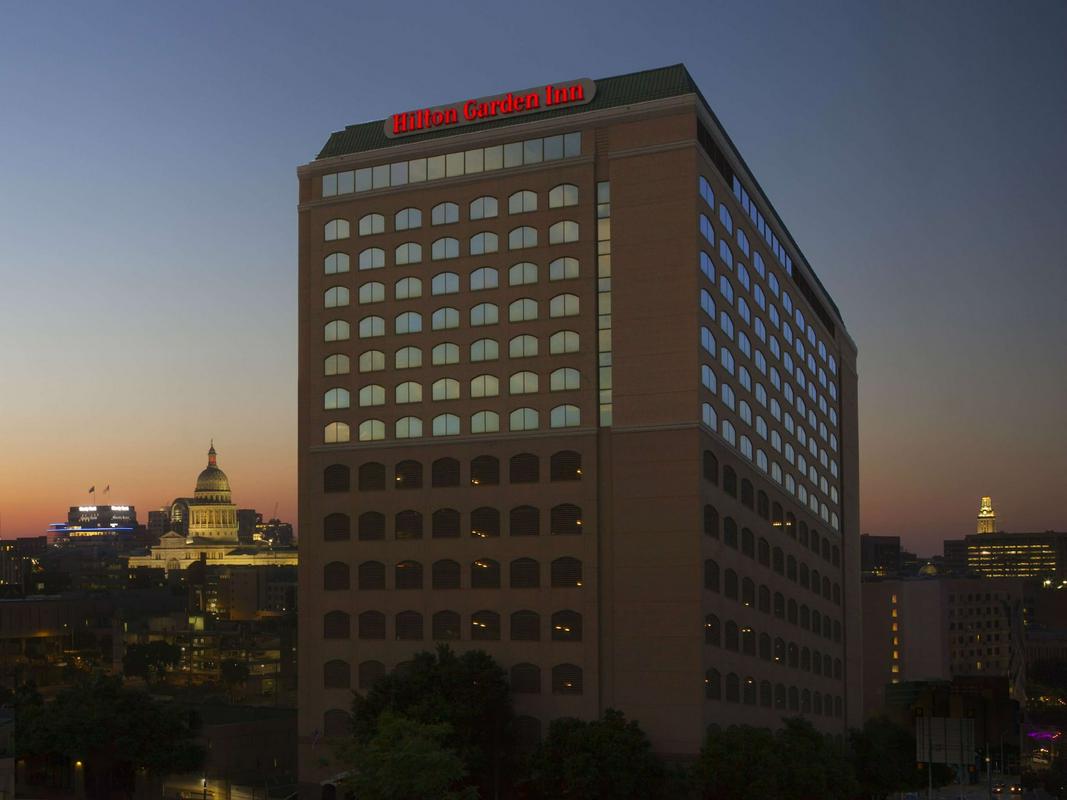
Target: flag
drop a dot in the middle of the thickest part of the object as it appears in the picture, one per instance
(107, 489)
(92, 489)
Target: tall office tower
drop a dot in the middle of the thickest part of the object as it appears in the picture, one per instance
(987, 518)
(571, 394)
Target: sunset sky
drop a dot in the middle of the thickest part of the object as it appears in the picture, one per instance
(917, 151)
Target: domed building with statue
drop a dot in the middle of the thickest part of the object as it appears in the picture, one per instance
(203, 528)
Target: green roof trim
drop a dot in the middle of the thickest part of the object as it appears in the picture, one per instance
(621, 90)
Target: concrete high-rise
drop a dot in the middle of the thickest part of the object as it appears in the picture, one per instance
(570, 393)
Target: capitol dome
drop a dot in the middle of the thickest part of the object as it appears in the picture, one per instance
(212, 483)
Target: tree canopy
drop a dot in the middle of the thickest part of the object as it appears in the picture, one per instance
(112, 730)
(405, 760)
(469, 693)
(609, 757)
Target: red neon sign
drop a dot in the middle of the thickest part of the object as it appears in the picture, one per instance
(484, 109)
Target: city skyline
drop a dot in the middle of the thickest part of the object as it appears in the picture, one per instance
(160, 314)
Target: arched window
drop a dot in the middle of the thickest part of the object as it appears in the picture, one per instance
(524, 521)
(444, 319)
(444, 283)
(563, 232)
(336, 433)
(371, 361)
(522, 238)
(408, 626)
(408, 525)
(522, 202)
(523, 346)
(335, 297)
(525, 679)
(370, 224)
(563, 305)
(566, 572)
(729, 481)
(445, 573)
(336, 364)
(371, 476)
(444, 472)
(748, 543)
(566, 416)
(748, 691)
(566, 679)
(336, 625)
(522, 273)
(372, 394)
(730, 532)
(336, 527)
(484, 207)
(335, 264)
(407, 575)
(444, 214)
(484, 278)
(371, 327)
(485, 523)
(372, 258)
(485, 314)
(371, 576)
(485, 422)
(408, 392)
(485, 626)
(566, 465)
(747, 497)
(446, 425)
(524, 468)
(485, 471)
(566, 626)
(712, 630)
(485, 574)
(482, 243)
(335, 576)
(525, 573)
(522, 310)
(407, 289)
(336, 331)
(712, 684)
(445, 389)
(525, 626)
(336, 478)
(562, 269)
(566, 519)
(484, 350)
(711, 575)
(563, 196)
(336, 674)
(446, 626)
(407, 219)
(408, 475)
(445, 524)
(372, 625)
(407, 253)
(563, 342)
(523, 419)
(371, 526)
(443, 248)
(485, 386)
(565, 379)
(336, 229)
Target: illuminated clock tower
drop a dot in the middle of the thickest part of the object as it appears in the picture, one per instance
(987, 518)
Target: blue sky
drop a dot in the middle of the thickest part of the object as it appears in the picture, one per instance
(148, 221)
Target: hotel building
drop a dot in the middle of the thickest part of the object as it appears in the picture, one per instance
(570, 393)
